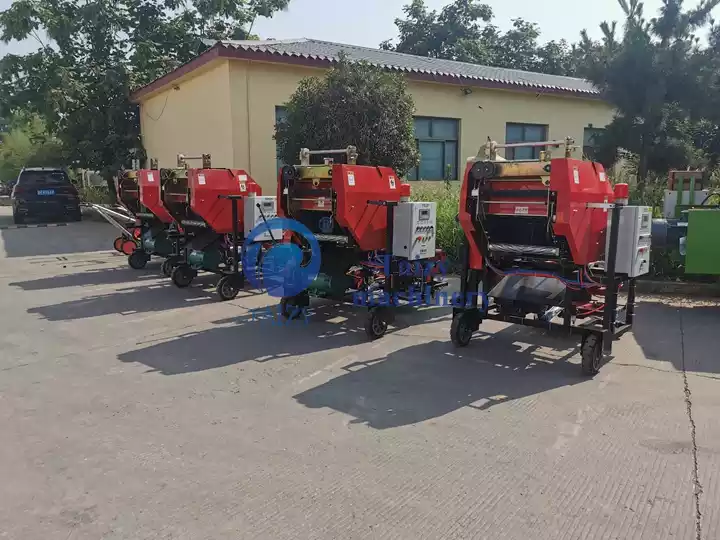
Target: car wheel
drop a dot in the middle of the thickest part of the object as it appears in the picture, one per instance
(18, 219)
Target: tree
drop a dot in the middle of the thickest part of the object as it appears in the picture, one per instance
(99, 50)
(27, 144)
(462, 31)
(354, 104)
(652, 76)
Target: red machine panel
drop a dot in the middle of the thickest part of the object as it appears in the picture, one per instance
(351, 186)
(205, 185)
(355, 185)
(467, 222)
(151, 194)
(578, 183)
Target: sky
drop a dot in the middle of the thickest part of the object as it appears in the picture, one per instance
(368, 22)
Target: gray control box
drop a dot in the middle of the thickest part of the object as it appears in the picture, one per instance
(254, 209)
(414, 230)
(634, 238)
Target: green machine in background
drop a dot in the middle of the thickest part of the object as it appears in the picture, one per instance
(690, 222)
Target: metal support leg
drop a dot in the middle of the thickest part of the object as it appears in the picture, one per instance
(630, 310)
(236, 258)
(611, 287)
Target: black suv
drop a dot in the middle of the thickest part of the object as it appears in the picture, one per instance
(45, 193)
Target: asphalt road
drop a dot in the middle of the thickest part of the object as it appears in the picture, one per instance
(130, 409)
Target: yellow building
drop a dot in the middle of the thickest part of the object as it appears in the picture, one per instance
(227, 100)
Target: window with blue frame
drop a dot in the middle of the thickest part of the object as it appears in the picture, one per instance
(437, 140)
(280, 116)
(517, 133)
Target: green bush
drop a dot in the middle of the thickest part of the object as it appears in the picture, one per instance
(94, 195)
(449, 233)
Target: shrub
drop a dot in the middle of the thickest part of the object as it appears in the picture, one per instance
(353, 104)
(94, 195)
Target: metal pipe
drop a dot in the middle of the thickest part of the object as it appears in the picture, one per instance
(100, 210)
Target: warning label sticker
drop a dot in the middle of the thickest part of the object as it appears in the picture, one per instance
(351, 178)
(576, 175)
(522, 210)
(201, 179)
(151, 176)
(392, 182)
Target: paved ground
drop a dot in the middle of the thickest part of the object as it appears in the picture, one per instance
(133, 410)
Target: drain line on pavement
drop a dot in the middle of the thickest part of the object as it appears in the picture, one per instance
(697, 487)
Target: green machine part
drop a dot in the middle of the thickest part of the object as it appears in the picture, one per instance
(208, 259)
(331, 286)
(702, 245)
(159, 244)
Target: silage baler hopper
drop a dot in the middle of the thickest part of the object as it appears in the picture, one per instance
(550, 243)
(366, 229)
(205, 203)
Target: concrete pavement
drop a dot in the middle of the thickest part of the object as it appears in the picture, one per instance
(130, 409)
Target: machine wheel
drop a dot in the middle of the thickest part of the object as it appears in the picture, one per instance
(288, 308)
(138, 259)
(591, 351)
(460, 330)
(182, 276)
(128, 247)
(227, 287)
(376, 324)
(117, 244)
(167, 267)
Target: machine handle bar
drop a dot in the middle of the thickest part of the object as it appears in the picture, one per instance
(383, 203)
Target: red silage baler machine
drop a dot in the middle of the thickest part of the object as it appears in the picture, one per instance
(217, 209)
(155, 233)
(376, 247)
(550, 243)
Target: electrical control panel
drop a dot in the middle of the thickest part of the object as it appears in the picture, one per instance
(414, 230)
(255, 208)
(634, 238)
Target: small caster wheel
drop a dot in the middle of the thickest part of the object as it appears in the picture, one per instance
(138, 259)
(128, 247)
(118, 243)
(167, 267)
(182, 276)
(376, 324)
(289, 308)
(591, 352)
(461, 330)
(227, 288)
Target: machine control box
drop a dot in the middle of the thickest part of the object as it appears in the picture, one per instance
(634, 239)
(254, 209)
(414, 230)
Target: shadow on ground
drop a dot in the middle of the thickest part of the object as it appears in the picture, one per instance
(432, 379)
(260, 336)
(670, 332)
(154, 297)
(107, 276)
(83, 237)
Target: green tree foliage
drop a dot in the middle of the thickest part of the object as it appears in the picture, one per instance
(98, 50)
(653, 75)
(354, 104)
(463, 31)
(26, 143)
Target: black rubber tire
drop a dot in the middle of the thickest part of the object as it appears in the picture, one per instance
(375, 325)
(182, 276)
(76, 216)
(460, 330)
(591, 352)
(166, 267)
(138, 259)
(18, 219)
(227, 288)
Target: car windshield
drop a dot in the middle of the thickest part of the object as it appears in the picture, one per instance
(43, 178)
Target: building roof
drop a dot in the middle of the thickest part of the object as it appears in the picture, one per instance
(319, 53)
